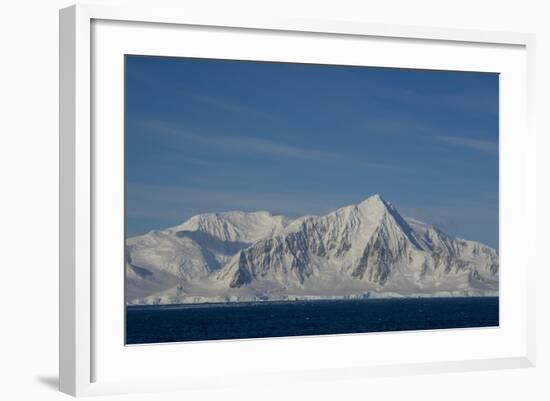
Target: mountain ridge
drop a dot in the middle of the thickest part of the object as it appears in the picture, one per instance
(360, 250)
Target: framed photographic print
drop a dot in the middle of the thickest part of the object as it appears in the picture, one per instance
(285, 232)
(246, 190)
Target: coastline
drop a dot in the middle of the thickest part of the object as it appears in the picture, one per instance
(301, 300)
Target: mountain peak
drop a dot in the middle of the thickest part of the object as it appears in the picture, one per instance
(375, 202)
(377, 196)
(235, 226)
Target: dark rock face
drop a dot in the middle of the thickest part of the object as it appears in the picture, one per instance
(378, 258)
(243, 275)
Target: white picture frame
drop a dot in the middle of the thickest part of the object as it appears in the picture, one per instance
(85, 353)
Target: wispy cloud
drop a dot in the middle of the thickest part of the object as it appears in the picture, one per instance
(256, 146)
(414, 126)
(470, 143)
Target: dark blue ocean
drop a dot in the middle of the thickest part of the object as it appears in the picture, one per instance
(157, 324)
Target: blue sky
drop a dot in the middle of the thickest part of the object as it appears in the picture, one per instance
(213, 135)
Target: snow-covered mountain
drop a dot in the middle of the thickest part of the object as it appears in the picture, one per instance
(358, 251)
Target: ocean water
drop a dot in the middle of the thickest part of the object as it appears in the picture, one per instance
(159, 324)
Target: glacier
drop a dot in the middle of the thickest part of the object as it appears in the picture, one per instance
(365, 250)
